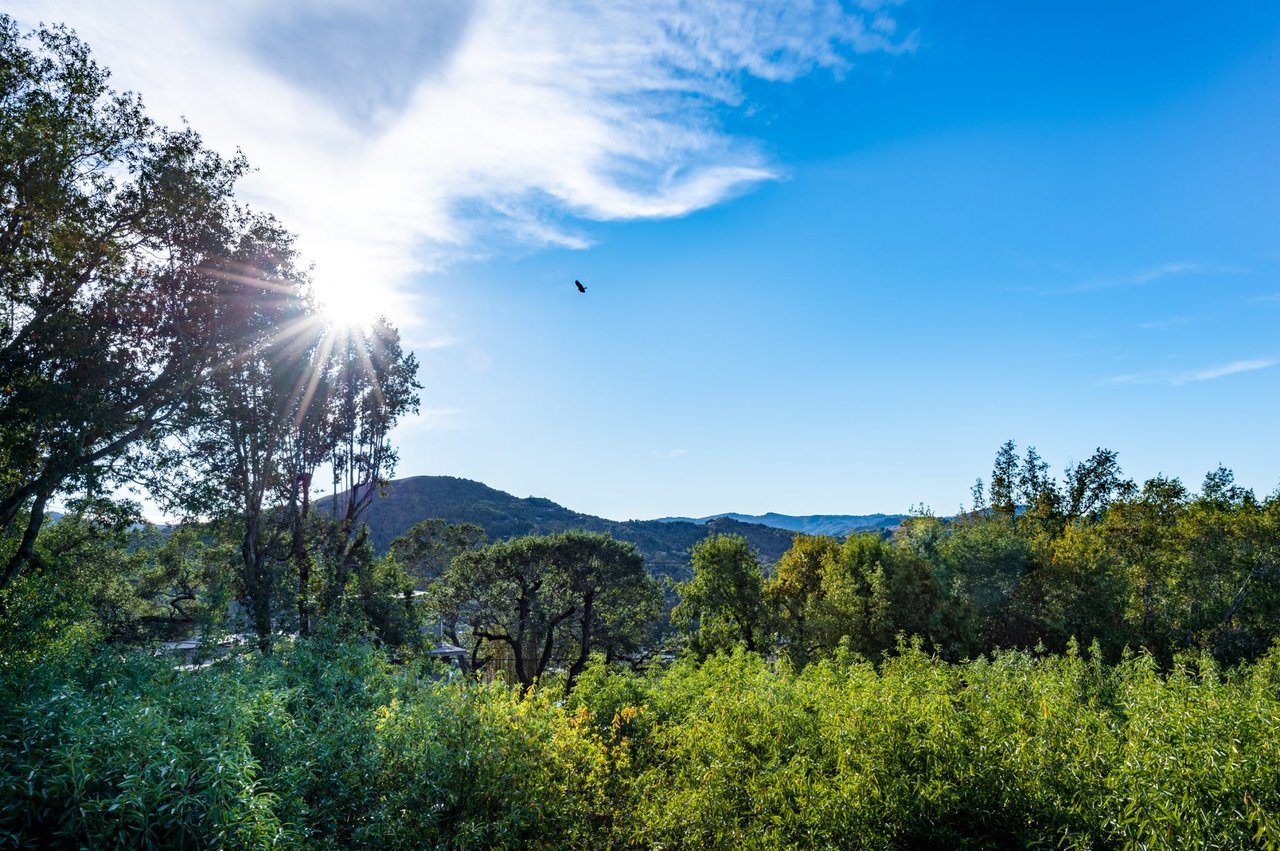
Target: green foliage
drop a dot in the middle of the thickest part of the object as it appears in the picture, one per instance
(387, 601)
(1097, 560)
(722, 606)
(326, 746)
(428, 546)
(119, 260)
(859, 595)
(98, 571)
(315, 747)
(188, 581)
(535, 601)
(980, 566)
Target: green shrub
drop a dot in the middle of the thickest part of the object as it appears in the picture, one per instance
(325, 745)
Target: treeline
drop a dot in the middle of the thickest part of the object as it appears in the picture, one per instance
(1036, 564)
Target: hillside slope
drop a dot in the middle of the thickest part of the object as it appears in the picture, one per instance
(664, 544)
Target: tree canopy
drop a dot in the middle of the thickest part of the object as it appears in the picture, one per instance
(125, 268)
(154, 330)
(536, 600)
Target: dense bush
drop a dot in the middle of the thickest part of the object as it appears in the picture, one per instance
(328, 746)
(316, 747)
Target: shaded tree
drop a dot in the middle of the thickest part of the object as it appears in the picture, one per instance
(116, 244)
(614, 597)
(550, 597)
(978, 568)
(78, 583)
(1091, 485)
(231, 461)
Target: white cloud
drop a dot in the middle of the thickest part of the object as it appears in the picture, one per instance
(1221, 371)
(1146, 276)
(390, 153)
(432, 419)
(1192, 376)
(669, 453)
(1127, 379)
(1149, 275)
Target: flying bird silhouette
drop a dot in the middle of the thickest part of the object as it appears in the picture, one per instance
(581, 288)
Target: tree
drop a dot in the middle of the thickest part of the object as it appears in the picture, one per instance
(428, 546)
(1138, 533)
(1228, 592)
(116, 244)
(861, 594)
(544, 598)
(613, 594)
(188, 579)
(1038, 492)
(79, 582)
(373, 382)
(723, 604)
(1092, 484)
(236, 429)
(978, 568)
(1004, 480)
(797, 590)
(1080, 592)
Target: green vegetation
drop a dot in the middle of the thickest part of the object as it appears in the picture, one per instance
(154, 332)
(327, 746)
(919, 688)
(536, 601)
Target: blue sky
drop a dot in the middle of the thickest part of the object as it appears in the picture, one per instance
(836, 253)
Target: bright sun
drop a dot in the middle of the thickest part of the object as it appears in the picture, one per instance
(346, 303)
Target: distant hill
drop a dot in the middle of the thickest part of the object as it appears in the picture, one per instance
(665, 544)
(836, 525)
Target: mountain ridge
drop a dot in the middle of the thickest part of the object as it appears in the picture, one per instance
(836, 525)
(665, 545)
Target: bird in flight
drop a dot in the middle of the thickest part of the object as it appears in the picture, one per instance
(581, 288)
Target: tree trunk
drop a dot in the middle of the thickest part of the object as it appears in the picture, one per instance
(301, 558)
(257, 588)
(26, 548)
(584, 642)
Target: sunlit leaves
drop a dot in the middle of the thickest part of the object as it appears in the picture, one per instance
(323, 746)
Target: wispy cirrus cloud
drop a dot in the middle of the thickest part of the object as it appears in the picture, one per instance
(1149, 275)
(669, 453)
(1175, 379)
(432, 419)
(1222, 371)
(395, 136)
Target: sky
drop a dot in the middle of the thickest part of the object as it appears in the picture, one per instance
(836, 252)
